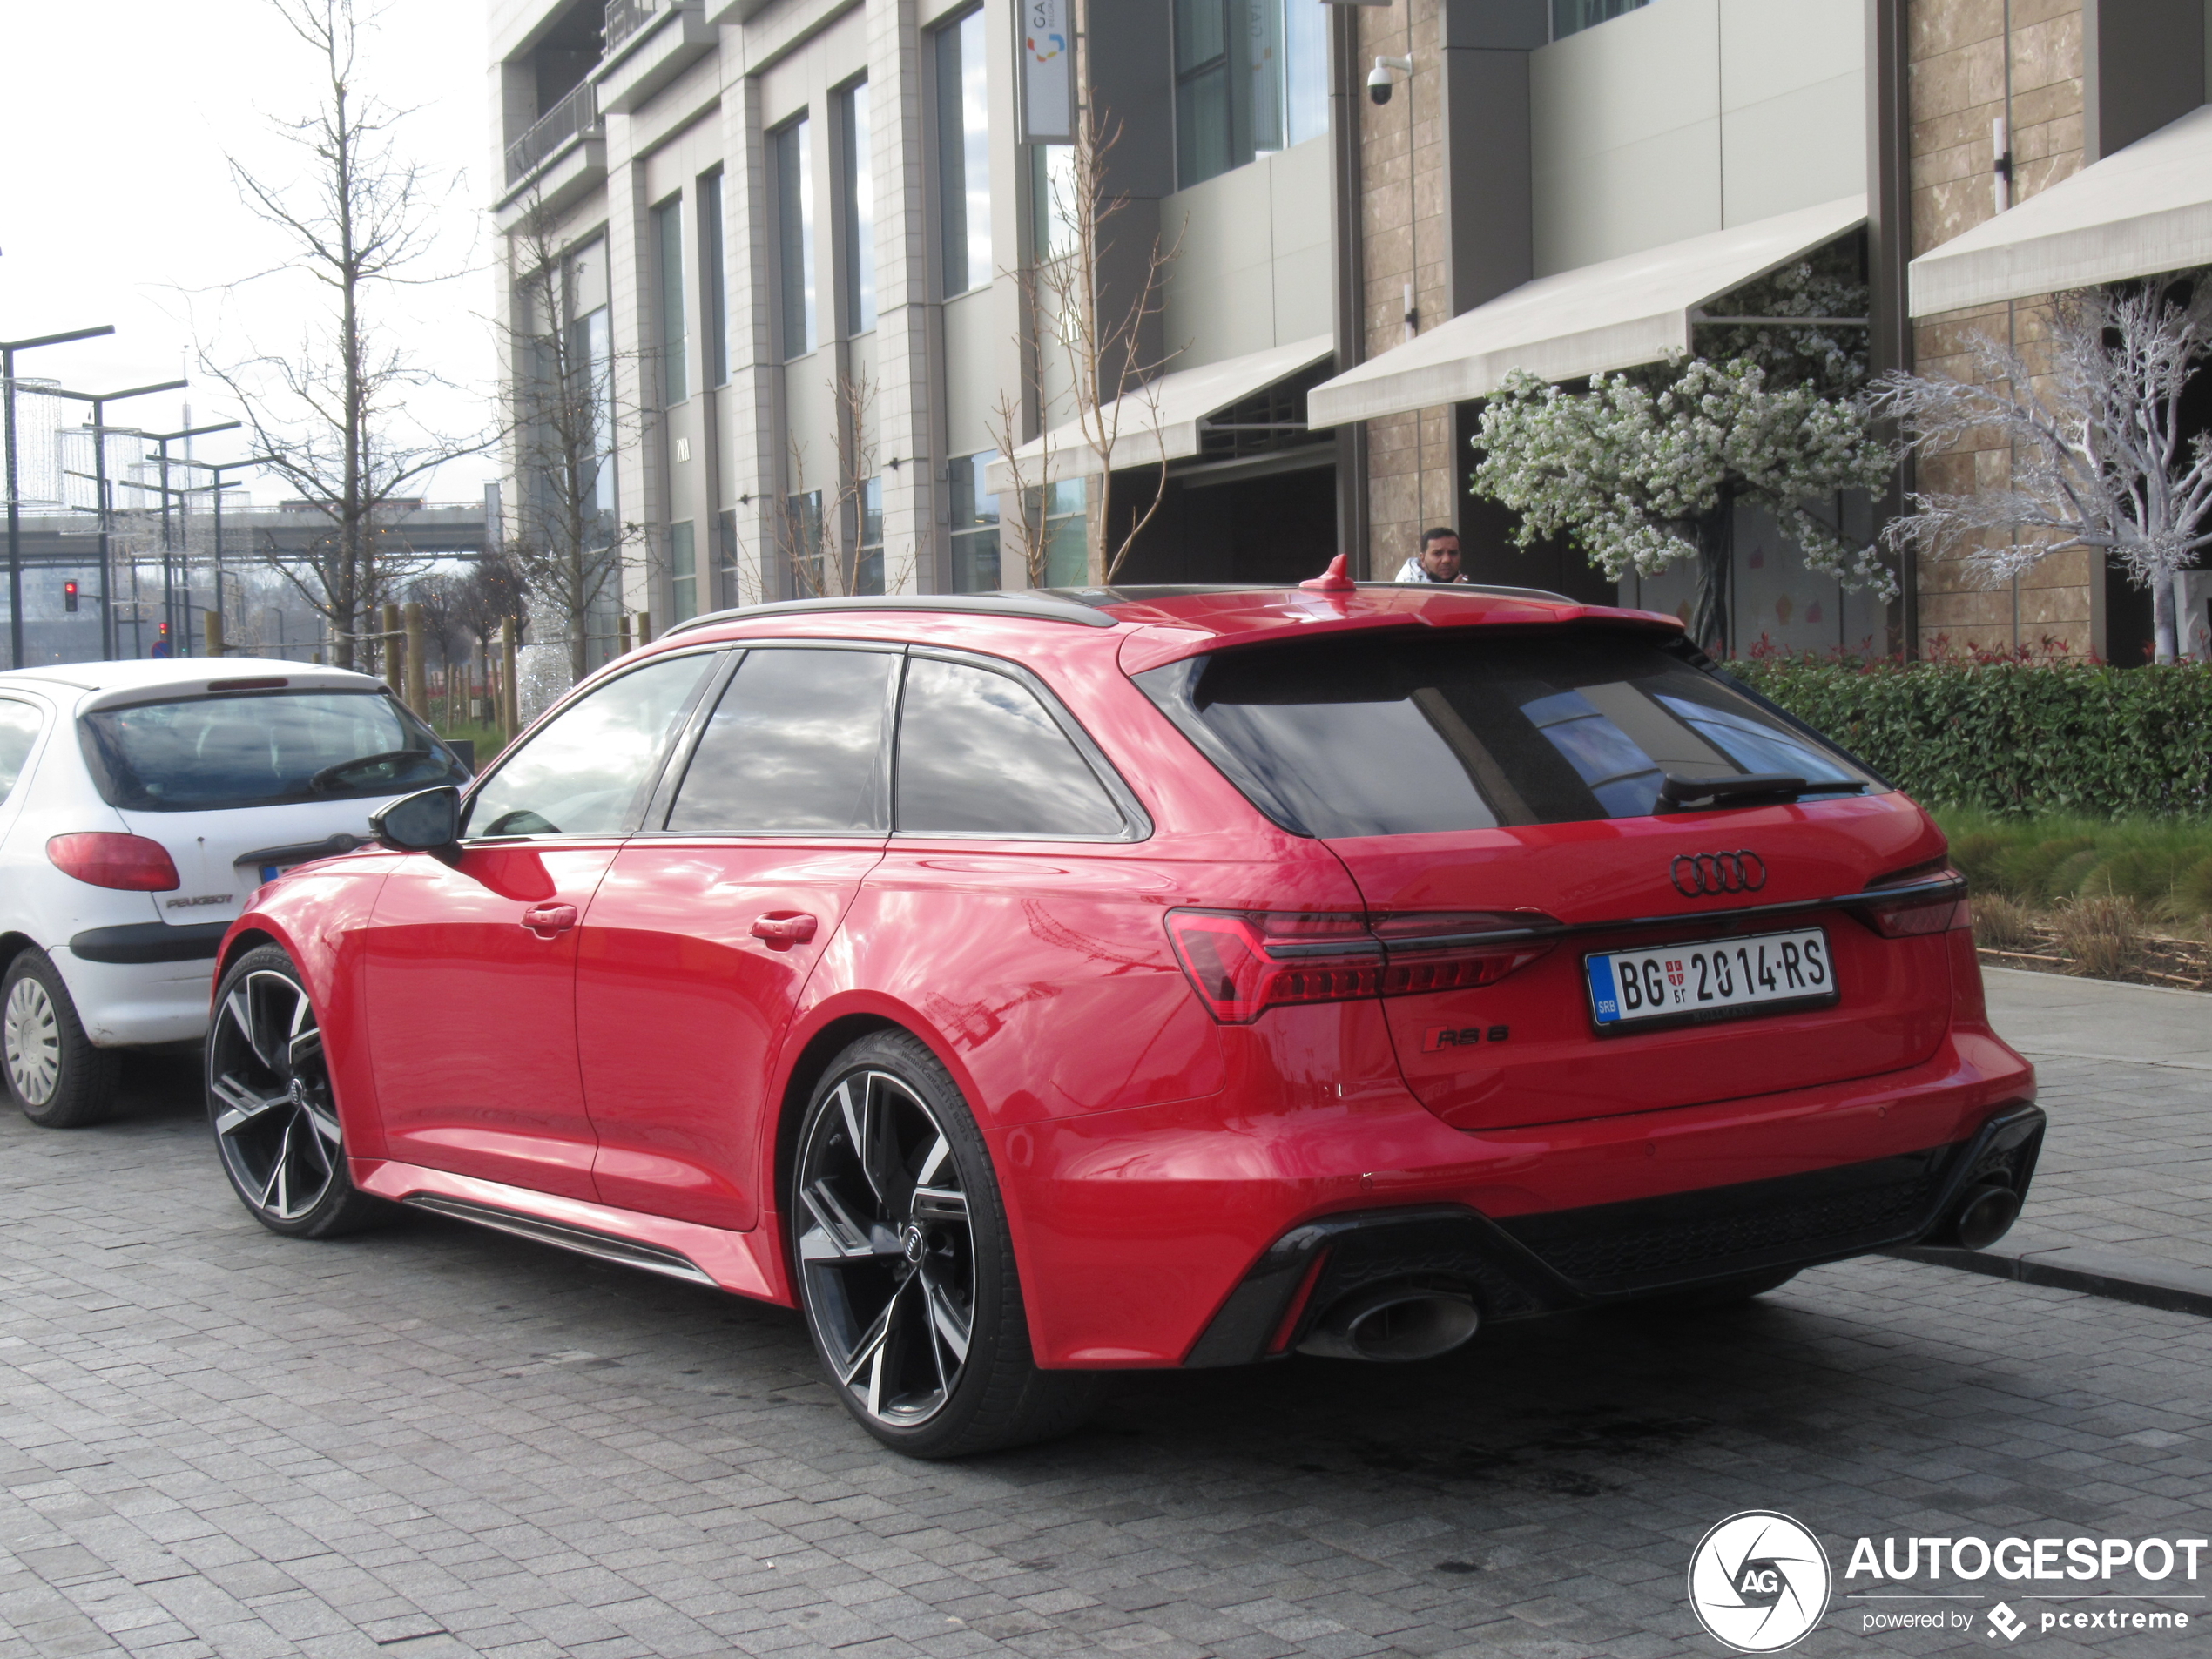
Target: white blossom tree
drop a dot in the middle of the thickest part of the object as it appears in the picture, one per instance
(2101, 457)
(1639, 476)
(1645, 467)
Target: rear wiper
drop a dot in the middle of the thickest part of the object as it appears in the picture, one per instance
(1680, 794)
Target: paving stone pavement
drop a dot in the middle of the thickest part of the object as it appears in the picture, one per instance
(2125, 1072)
(431, 1439)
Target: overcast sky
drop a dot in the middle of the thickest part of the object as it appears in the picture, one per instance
(116, 205)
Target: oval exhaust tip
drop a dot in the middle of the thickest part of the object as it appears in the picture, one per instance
(1393, 1324)
(1986, 1216)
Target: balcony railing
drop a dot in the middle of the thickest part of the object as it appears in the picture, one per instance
(577, 113)
(626, 17)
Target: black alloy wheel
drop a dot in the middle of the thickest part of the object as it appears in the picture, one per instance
(269, 1100)
(56, 1076)
(905, 1267)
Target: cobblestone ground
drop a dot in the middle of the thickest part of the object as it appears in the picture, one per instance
(432, 1440)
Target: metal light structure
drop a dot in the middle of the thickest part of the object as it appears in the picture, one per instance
(110, 640)
(8, 350)
(219, 468)
(165, 461)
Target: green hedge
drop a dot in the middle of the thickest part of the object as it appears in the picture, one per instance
(2014, 739)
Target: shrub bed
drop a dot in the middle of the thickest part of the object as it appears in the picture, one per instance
(2013, 737)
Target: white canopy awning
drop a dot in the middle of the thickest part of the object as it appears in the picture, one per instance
(1615, 314)
(1164, 422)
(2142, 210)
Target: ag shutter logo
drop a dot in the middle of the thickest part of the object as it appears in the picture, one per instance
(1759, 1581)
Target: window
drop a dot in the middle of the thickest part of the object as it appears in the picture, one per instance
(725, 548)
(795, 238)
(1067, 548)
(795, 747)
(964, 153)
(867, 565)
(1568, 17)
(976, 525)
(803, 541)
(1052, 201)
(860, 212)
(668, 243)
(1398, 737)
(19, 725)
(583, 774)
(200, 754)
(714, 281)
(591, 348)
(683, 574)
(1250, 77)
(978, 754)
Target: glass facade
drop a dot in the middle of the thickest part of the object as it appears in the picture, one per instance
(974, 524)
(867, 564)
(1250, 77)
(1066, 549)
(1053, 205)
(803, 543)
(668, 244)
(683, 573)
(1571, 17)
(795, 238)
(964, 153)
(714, 281)
(860, 212)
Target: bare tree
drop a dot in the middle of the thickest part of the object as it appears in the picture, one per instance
(329, 417)
(566, 423)
(821, 533)
(2101, 457)
(1104, 329)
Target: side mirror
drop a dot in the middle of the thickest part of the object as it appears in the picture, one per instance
(428, 821)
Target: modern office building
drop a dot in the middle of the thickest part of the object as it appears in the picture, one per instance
(791, 237)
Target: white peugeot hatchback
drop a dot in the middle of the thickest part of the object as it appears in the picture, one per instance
(141, 804)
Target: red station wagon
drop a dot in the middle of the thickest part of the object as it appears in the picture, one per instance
(1030, 986)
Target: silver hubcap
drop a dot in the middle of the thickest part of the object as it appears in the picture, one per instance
(34, 1042)
(887, 1258)
(269, 1090)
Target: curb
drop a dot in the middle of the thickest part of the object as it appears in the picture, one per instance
(2111, 1274)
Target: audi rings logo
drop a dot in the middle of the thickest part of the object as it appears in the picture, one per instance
(1696, 873)
(1759, 1581)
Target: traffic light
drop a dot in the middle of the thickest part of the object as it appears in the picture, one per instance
(69, 595)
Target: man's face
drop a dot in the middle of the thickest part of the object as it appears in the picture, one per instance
(1440, 558)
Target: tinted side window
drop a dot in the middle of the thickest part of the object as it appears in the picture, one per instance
(583, 773)
(978, 753)
(18, 731)
(795, 747)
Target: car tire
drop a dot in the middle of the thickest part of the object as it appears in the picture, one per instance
(271, 1107)
(56, 1076)
(904, 1265)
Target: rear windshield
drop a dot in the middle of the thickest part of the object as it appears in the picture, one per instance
(1398, 736)
(261, 750)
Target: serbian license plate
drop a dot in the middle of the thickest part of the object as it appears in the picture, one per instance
(1716, 979)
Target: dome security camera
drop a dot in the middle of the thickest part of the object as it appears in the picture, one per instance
(1379, 82)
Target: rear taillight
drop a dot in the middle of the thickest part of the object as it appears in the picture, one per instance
(1935, 903)
(1242, 962)
(130, 862)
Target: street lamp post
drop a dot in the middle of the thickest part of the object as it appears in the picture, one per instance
(168, 577)
(219, 468)
(8, 350)
(110, 640)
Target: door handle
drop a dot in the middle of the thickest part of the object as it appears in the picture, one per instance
(783, 932)
(547, 919)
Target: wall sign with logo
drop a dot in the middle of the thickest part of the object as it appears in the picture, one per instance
(1047, 71)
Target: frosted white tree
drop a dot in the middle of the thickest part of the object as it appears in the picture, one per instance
(1644, 469)
(2100, 455)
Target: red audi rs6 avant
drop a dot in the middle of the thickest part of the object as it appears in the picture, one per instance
(1030, 986)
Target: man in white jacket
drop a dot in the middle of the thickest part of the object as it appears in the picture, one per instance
(1438, 560)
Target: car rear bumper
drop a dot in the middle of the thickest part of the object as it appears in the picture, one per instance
(1136, 1228)
(1568, 1258)
(135, 1003)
